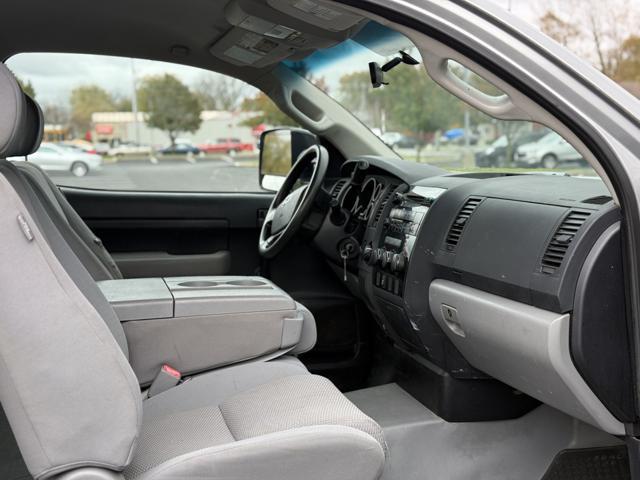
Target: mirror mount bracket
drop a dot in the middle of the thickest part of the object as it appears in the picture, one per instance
(377, 72)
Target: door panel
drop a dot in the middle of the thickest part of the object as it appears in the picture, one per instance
(174, 234)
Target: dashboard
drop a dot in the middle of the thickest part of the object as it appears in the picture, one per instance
(494, 283)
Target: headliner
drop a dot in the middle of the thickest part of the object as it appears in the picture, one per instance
(134, 28)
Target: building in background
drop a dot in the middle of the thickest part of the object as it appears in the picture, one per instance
(56, 133)
(116, 127)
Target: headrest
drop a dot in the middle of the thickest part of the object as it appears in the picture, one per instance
(21, 121)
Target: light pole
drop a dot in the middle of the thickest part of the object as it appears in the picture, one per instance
(134, 102)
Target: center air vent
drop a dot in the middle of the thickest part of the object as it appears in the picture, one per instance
(562, 238)
(382, 204)
(337, 188)
(455, 232)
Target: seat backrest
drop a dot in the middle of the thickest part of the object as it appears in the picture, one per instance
(89, 249)
(67, 389)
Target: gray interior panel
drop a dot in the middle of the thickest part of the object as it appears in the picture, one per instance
(157, 264)
(423, 446)
(523, 346)
(138, 299)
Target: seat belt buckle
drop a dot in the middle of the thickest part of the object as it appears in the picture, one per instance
(168, 377)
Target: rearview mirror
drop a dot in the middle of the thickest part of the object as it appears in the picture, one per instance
(279, 149)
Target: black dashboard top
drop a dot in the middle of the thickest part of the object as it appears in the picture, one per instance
(546, 189)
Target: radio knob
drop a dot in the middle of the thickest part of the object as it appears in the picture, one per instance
(385, 258)
(398, 262)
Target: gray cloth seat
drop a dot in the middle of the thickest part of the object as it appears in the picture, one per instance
(73, 401)
(247, 408)
(89, 248)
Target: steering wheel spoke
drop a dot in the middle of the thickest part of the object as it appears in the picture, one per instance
(269, 216)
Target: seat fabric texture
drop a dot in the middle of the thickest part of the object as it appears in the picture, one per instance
(71, 397)
(240, 403)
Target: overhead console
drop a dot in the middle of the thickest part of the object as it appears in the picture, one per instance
(264, 34)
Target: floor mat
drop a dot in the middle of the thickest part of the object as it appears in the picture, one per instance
(590, 464)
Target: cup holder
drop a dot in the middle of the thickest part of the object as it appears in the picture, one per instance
(246, 283)
(198, 284)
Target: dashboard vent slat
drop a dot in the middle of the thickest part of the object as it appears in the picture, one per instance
(337, 188)
(381, 205)
(561, 240)
(455, 232)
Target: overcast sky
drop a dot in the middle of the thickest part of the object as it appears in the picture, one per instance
(55, 75)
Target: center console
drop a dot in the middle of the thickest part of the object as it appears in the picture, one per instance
(389, 256)
(200, 323)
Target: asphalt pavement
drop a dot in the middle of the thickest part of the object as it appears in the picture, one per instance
(205, 174)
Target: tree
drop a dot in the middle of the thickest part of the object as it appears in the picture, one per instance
(27, 87)
(86, 100)
(56, 114)
(122, 103)
(170, 105)
(628, 67)
(562, 32)
(421, 105)
(267, 112)
(593, 29)
(358, 96)
(219, 92)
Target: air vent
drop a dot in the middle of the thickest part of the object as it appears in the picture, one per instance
(562, 238)
(381, 205)
(455, 232)
(337, 188)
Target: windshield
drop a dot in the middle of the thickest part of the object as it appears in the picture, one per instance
(420, 120)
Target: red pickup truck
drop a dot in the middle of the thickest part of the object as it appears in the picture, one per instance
(230, 146)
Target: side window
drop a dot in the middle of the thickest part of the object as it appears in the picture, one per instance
(130, 124)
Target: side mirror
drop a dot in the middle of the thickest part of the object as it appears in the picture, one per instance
(279, 149)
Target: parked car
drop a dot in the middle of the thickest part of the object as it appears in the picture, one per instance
(102, 148)
(398, 140)
(80, 145)
(230, 146)
(52, 157)
(180, 149)
(456, 136)
(129, 148)
(548, 152)
(495, 155)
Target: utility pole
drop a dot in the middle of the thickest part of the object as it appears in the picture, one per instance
(509, 5)
(134, 102)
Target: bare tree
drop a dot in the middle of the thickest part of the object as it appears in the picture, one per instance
(594, 29)
(219, 92)
(56, 114)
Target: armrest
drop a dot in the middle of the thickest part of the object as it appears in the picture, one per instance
(200, 323)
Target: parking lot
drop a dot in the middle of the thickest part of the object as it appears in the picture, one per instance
(222, 173)
(208, 173)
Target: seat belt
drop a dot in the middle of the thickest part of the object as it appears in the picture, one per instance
(168, 377)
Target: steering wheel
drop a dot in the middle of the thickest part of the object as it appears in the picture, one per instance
(292, 204)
